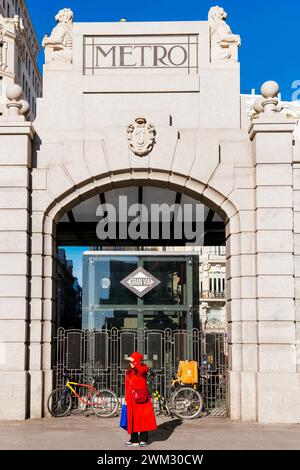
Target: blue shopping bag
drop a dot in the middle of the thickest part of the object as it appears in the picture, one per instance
(123, 420)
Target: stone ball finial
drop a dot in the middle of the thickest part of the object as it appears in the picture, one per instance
(25, 107)
(270, 89)
(14, 92)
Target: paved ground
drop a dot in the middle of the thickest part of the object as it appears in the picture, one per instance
(92, 433)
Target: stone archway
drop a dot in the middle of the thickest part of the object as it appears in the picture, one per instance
(68, 200)
(204, 147)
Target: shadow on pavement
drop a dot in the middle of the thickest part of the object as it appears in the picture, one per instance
(165, 430)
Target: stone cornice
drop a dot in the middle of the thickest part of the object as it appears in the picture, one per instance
(270, 126)
(17, 128)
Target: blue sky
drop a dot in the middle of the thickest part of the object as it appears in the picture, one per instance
(269, 29)
(75, 254)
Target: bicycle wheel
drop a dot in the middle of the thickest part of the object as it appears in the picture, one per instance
(59, 403)
(104, 403)
(186, 403)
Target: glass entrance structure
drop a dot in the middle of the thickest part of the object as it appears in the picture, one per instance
(113, 293)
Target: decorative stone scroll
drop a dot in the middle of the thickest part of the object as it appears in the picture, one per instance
(59, 46)
(224, 44)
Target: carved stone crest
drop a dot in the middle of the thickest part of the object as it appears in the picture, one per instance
(141, 137)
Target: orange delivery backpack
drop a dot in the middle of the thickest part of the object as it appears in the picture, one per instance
(188, 372)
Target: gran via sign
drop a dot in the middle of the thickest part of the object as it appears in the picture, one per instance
(140, 282)
(170, 53)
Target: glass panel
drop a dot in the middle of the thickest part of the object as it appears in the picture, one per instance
(101, 350)
(155, 350)
(109, 272)
(172, 275)
(127, 347)
(107, 303)
(73, 347)
(160, 320)
(182, 347)
(107, 319)
(215, 351)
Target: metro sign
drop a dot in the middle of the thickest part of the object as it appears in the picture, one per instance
(140, 282)
(177, 53)
(141, 56)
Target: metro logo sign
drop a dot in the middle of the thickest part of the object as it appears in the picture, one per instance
(140, 282)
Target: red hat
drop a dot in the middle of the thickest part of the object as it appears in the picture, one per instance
(137, 357)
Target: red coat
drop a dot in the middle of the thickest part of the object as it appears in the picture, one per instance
(140, 416)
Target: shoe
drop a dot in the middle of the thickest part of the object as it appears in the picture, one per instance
(143, 444)
(130, 444)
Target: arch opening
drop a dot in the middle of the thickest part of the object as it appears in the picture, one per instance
(171, 323)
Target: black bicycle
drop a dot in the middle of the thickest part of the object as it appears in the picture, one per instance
(184, 402)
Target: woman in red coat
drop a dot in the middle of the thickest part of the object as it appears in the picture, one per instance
(140, 414)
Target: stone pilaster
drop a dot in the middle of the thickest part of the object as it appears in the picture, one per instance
(277, 382)
(296, 197)
(15, 166)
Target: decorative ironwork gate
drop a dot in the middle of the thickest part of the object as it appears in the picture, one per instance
(85, 354)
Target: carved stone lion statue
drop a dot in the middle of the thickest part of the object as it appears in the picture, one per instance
(224, 44)
(59, 46)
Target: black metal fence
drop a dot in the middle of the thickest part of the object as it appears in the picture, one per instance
(87, 354)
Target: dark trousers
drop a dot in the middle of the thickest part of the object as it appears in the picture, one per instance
(143, 437)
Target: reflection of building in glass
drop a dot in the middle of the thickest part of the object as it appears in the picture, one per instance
(110, 301)
(159, 320)
(212, 288)
(69, 294)
(212, 276)
(212, 284)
